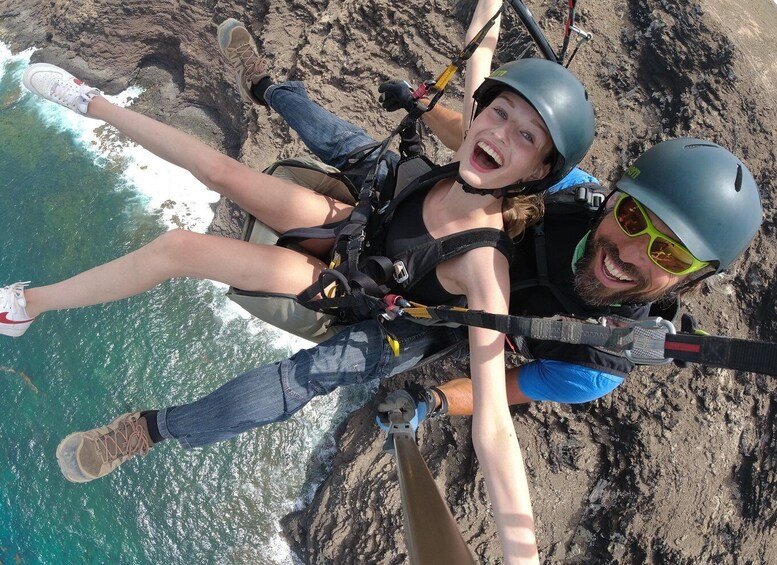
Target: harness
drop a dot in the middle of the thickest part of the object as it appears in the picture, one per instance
(580, 203)
(365, 277)
(363, 273)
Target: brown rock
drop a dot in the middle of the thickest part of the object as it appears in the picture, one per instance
(675, 466)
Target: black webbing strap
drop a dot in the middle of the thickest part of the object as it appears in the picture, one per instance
(540, 254)
(727, 352)
(483, 237)
(454, 245)
(565, 330)
(630, 339)
(297, 235)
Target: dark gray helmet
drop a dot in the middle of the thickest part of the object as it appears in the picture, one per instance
(560, 100)
(702, 192)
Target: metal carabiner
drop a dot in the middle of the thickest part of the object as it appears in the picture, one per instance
(649, 338)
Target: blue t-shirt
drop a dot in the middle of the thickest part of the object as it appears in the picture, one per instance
(569, 383)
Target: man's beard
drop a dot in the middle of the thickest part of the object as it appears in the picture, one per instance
(594, 293)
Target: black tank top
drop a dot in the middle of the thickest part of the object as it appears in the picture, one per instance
(408, 240)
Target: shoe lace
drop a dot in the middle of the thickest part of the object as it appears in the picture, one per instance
(126, 441)
(11, 295)
(253, 65)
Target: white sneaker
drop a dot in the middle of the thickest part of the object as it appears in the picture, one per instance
(14, 320)
(58, 85)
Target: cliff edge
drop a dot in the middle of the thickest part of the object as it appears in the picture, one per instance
(677, 465)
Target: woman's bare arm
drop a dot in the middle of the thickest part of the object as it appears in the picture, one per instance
(486, 280)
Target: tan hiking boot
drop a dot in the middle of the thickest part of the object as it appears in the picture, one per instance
(239, 49)
(85, 456)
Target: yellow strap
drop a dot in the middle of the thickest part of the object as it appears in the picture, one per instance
(445, 77)
(394, 345)
(422, 312)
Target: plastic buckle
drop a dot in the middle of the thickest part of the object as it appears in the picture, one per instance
(591, 198)
(649, 338)
(400, 272)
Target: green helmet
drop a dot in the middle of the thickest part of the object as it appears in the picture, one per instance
(560, 100)
(702, 192)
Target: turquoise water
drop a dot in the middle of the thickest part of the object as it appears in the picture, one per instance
(60, 214)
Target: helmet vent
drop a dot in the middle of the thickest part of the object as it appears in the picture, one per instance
(738, 181)
(699, 145)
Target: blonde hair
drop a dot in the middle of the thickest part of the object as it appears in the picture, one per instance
(520, 212)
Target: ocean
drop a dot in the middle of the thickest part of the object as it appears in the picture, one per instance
(70, 202)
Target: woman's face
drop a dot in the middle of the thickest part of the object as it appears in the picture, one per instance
(506, 143)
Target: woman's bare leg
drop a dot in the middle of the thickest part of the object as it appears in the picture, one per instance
(180, 253)
(280, 204)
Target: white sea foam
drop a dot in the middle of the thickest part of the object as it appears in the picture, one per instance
(181, 201)
(172, 193)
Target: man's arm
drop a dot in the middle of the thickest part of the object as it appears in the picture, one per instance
(554, 381)
(446, 124)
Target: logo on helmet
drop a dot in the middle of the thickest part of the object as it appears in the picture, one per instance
(632, 172)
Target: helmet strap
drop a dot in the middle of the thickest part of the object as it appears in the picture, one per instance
(517, 189)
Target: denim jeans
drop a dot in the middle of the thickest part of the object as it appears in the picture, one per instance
(330, 138)
(273, 393)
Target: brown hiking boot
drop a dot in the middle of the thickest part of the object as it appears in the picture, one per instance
(239, 49)
(85, 456)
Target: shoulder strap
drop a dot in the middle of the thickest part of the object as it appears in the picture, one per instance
(431, 177)
(445, 248)
(543, 277)
(570, 200)
(408, 170)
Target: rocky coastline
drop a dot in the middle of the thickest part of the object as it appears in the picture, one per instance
(675, 466)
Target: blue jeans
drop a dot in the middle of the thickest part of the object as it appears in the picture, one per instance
(357, 354)
(330, 138)
(273, 393)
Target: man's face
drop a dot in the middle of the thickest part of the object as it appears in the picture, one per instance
(616, 268)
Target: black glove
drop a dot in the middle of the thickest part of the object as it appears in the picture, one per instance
(397, 95)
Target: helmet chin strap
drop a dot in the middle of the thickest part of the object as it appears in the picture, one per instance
(516, 189)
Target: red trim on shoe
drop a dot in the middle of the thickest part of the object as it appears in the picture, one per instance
(5, 320)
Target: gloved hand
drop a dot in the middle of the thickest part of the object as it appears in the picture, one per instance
(414, 402)
(397, 95)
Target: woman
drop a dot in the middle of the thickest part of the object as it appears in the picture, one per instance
(532, 124)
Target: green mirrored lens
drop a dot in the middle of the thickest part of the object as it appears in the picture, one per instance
(670, 256)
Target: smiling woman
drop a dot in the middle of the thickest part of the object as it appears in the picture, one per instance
(514, 117)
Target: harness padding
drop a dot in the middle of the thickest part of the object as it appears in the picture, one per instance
(284, 310)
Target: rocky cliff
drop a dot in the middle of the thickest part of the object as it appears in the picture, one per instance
(677, 465)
